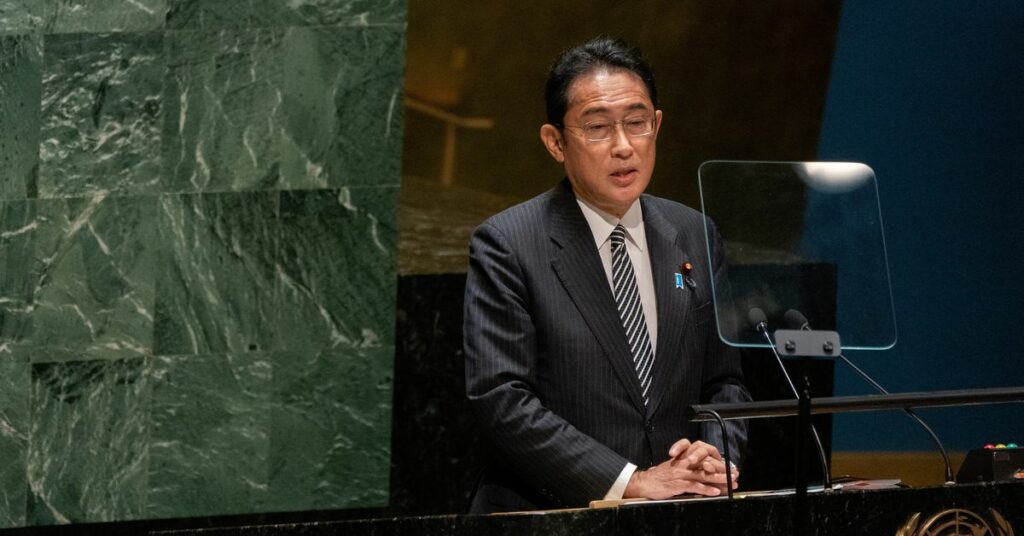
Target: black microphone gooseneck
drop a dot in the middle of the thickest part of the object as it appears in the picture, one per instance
(725, 450)
(760, 322)
(797, 320)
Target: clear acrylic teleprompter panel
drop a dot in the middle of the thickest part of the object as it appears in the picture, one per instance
(800, 235)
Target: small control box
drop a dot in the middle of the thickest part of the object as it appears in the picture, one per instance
(992, 463)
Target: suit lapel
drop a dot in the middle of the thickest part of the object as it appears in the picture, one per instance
(667, 252)
(578, 266)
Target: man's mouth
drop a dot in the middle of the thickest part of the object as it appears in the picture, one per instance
(624, 173)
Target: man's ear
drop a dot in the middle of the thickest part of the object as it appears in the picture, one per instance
(552, 140)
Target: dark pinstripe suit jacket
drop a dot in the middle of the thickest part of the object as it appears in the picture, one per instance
(548, 370)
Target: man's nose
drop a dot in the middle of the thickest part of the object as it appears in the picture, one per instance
(622, 146)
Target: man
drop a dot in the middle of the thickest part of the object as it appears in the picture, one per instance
(582, 352)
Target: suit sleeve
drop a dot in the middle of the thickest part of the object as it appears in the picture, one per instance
(500, 342)
(723, 375)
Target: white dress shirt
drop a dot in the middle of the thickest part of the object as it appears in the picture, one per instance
(601, 225)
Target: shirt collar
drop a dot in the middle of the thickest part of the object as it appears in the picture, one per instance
(602, 224)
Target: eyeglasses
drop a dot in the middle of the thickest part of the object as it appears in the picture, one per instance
(603, 130)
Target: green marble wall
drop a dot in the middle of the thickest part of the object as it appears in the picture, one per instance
(197, 255)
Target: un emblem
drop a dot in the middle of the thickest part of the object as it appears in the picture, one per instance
(957, 522)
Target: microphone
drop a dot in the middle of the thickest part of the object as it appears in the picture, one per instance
(758, 319)
(760, 322)
(796, 320)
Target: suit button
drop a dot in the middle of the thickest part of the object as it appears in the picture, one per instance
(649, 427)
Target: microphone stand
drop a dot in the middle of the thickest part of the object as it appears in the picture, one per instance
(935, 438)
(798, 319)
(801, 519)
(803, 421)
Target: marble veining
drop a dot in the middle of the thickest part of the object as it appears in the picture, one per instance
(18, 223)
(331, 428)
(281, 108)
(336, 288)
(76, 16)
(20, 16)
(79, 274)
(14, 433)
(197, 256)
(100, 114)
(21, 59)
(215, 290)
(92, 285)
(194, 14)
(210, 434)
(87, 454)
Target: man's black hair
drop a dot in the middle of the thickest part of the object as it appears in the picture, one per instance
(598, 53)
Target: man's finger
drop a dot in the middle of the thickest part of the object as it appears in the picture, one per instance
(697, 454)
(711, 478)
(699, 450)
(712, 450)
(678, 448)
(693, 486)
(712, 465)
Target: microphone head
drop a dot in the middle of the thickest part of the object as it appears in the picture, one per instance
(756, 316)
(795, 319)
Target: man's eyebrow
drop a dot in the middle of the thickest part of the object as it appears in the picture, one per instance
(603, 110)
(595, 111)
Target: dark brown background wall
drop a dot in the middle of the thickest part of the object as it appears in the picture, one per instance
(744, 80)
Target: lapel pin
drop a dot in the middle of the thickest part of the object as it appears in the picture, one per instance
(685, 268)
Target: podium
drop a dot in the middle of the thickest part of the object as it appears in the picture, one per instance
(991, 509)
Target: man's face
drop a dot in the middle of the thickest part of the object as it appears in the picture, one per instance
(610, 174)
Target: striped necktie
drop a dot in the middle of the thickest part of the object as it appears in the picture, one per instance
(627, 298)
